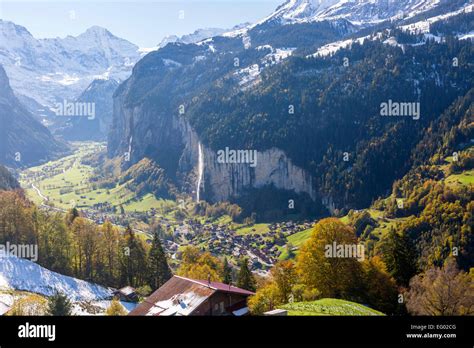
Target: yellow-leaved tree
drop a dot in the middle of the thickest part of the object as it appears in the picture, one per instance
(29, 305)
(337, 277)
(115, 309)
(198, 265)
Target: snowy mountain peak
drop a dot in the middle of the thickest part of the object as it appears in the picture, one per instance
(100, 37)
(196, 36)
(301, 9)
(7, 27)
(15, 35)
(96, 31)
(358, 11)
(51, 69)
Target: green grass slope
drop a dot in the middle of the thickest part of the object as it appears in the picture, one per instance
(329, 306)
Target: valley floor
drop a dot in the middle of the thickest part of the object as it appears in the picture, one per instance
(68, 182)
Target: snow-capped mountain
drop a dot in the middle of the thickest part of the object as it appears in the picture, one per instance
(49, 70)
(195, 37)
(414, 27)
(356, 11)
(299, 10)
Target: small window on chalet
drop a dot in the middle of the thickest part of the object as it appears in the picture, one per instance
(221, 306)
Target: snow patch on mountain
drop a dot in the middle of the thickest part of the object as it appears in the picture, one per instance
(421, 27)
(246, 40)
(248, 76)
(276, 56)
(468, 36)
(333, 47)
(358, 13)
(424, 25)
(25, 275)
(194, 37)
(171, 63)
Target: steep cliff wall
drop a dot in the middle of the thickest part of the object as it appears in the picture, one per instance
(171, 141)
(227, 180)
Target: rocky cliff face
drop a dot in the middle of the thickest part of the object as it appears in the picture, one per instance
(223, 181)
(273, 168)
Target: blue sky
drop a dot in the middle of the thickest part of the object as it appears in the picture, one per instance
(143, 22)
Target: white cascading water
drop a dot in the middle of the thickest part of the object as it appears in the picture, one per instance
(130, 145)
(200, 172)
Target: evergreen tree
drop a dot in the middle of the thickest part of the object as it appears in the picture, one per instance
(227, 272)
(245, 279)
(110, 253)
(72, 215)
(59, 305)
(54, 242)
(400, 257)
(133, 260)
(159, 270)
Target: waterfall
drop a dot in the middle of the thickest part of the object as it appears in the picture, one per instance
(200, 171)
(130, 145)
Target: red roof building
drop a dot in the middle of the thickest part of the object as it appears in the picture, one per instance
(183, 296)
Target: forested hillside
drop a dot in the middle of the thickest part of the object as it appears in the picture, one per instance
(322, 111)
(328, 122)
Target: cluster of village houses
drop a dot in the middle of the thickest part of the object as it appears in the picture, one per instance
(262, 250)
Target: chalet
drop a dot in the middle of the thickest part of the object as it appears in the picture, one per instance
(126, 294)
(182, 296)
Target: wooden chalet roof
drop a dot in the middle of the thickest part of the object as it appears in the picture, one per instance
(181, 296)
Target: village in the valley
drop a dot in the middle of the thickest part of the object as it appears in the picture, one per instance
(263, 250)
(60, 185)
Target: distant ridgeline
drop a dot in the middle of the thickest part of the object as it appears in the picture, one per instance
(316, 122)
(23, 139)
